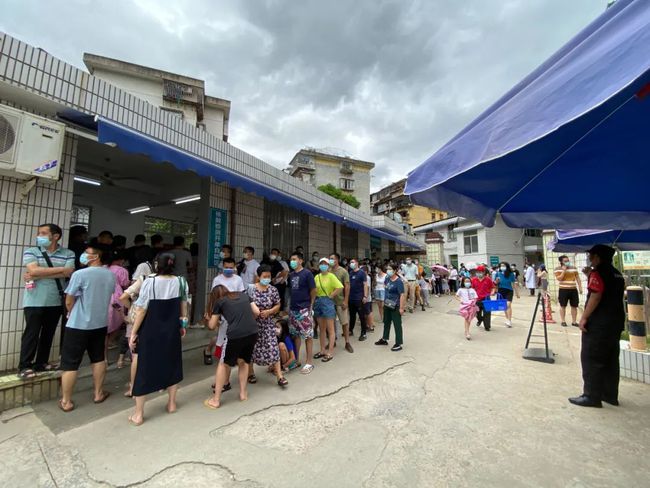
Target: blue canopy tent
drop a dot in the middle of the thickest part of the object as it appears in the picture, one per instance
(568, 147)
(581, 240)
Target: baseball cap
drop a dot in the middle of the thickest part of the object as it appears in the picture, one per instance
(480, 268)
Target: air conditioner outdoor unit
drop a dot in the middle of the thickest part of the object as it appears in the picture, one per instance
(29, 145)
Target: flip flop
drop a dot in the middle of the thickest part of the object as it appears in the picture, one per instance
(319, 355)
(106, 394)
(134, 423)
(207, 404)
(283, 382)
(252, 379)
(66, 410)
(327, 358)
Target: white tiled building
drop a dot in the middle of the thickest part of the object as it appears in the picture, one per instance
(458, 240)
(141, 156)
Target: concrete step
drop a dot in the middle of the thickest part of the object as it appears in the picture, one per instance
(15, 392)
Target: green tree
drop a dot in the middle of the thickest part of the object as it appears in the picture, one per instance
(337, 193)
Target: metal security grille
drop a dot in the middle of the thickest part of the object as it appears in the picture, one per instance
(349, 242)
(170, 228)
(80, 215)
(284, 228)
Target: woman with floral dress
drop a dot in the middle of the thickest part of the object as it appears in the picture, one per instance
(267, 351)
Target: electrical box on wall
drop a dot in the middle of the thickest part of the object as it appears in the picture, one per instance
(30, 146)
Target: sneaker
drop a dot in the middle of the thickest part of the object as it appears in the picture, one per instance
(381, 342)
(396, 347)
(362, 337)
(508, 324)
(348, 347)
(564, 324)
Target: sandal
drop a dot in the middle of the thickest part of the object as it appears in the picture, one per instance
(252, 379)
(134, 423)
(66, 410)
(307, 368)
(226, 387)
(283, 382)
(327, 358)
(319, 355)
(293, 365)
(207, 404)
(105, 395)
(27, 374)
(207, 358)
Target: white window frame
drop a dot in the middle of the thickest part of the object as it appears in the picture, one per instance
(470, 237)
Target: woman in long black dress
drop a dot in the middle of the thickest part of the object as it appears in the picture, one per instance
(160, 321)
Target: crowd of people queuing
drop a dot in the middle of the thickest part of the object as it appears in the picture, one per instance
(264, 313)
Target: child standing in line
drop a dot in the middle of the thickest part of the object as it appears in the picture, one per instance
(467, 297)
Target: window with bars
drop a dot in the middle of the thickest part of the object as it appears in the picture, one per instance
(470, 240)
(80, 215)
(170, 228)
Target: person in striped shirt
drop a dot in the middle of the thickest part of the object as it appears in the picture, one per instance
(570, 289)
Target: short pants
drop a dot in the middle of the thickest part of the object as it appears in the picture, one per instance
(76, 342)
(379, 295)
(568, 295)
(301, 323)
(240, 348)
(324, 307)
(506, 293)
(342, 315)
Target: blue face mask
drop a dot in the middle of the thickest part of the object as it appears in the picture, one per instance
(353, 265)
(468, 284)
(323, 268)
(228, 272)
(332, 262)
(390, 273)
(43, 241)
(83, 259)
(293, 264)
(265, 281)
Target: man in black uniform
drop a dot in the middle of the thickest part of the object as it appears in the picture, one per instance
(601, 325)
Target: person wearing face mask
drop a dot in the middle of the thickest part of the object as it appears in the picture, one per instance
(266, 351)
(410, 272)
(247, 267)
(279, 273)
(484, 287)
(314, 263)
(394, 303)
(226, 252)
(301, 305)
(505, 280)
(467, 297)
(359, 296)
(88, 296)
(342, 300)
(328, 287)
(570, 288)
(530, 277)
(228, 278)
(601, 325)
(47, 265)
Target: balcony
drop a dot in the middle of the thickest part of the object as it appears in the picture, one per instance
(346, 168)
(382, 222)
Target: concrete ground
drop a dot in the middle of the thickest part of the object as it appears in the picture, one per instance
(443, 412)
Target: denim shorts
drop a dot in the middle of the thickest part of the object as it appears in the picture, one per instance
(324, 307)
(379, 295)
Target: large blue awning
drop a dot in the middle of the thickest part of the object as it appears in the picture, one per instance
(134, 142)
(566, 148)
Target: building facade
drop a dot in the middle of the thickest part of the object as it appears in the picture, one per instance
(179, 95)
(458, 240)
(391, 201)
(352, 176)
(130, 166)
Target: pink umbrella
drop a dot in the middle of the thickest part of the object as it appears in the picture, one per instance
(440, 269)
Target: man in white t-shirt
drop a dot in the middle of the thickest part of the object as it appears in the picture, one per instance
(228, 278)
(250, 265)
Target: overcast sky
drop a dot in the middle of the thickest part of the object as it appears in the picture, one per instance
(385, 81)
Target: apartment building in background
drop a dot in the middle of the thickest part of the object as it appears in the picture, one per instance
(320, 167)
(456, 240)
(392, 202)
(176, 94)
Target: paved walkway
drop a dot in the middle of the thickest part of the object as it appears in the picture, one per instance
(443, 412)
